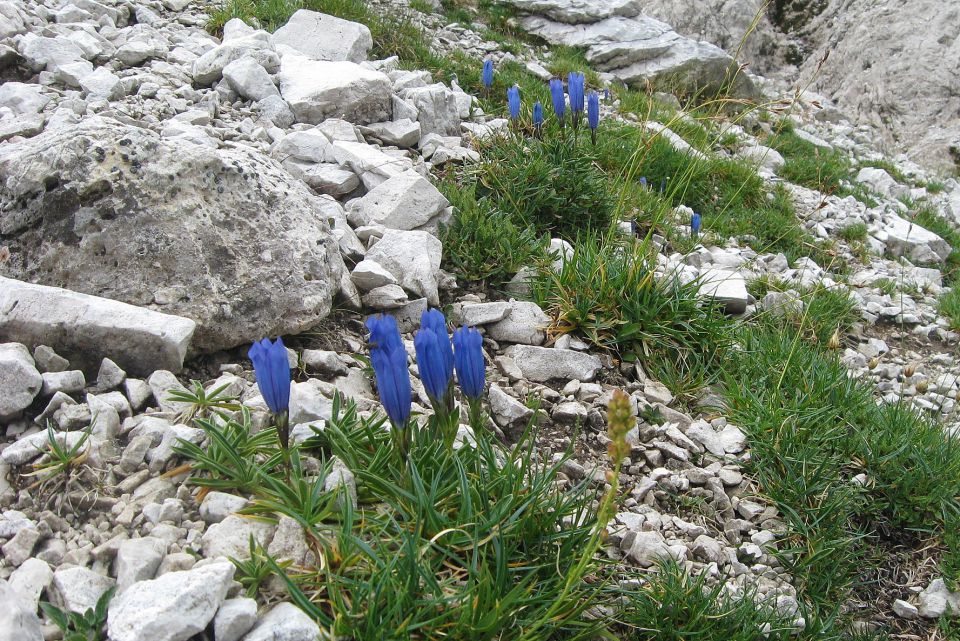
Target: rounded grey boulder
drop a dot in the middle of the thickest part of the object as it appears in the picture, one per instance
(224, 236)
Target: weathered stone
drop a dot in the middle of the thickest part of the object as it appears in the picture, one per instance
(231, 537)
(524, 324)
(317, 90)
(406, 201)
(199, 246)
(18, 620)
(726, 287)
(249, 79)
(413, 257)
(173, 607)
(77, 589)
(437, 109)
(234, 619)
(322, 37)
(285, 622)
(20, 382)
(541, 364)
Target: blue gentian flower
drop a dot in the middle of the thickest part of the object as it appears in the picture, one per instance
(513, 102)
(537, 114)
(606, 95)
(434, 353)
(593, 110)
(593, 114)
(695, 222)
(272, 370)
(643, 181)
(468, 356)
(575, 82)
(487, 75)
(389, 360)
(558, 98)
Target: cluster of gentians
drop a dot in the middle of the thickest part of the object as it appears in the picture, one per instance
(576, 83)
(437, 359)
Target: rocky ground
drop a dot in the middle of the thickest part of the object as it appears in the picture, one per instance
(167, 196)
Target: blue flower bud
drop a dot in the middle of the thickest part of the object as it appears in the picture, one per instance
(695, 222)
(434, 354)
(272, 371)
(513, 102)
(537, 114)
(487, 75)
(558, 98)
(389, 360)
(593, 110)
(468, 356)
(575, 82)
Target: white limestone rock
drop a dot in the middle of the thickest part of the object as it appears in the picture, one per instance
(322, 37)
(406, 201)
(317, 90)
(285, 622)
(20, 382)
(524, 324)
(248, 78)
(541, 364)
(173, 607)
(413, 257)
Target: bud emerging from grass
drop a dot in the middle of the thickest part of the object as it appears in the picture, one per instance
(593, 115)
(389, 360)
(695, 222)
(558, 99)
(909, 370)
(619, 422)
(537, 117)
(575, 82)
(487, 76)
(513, 102)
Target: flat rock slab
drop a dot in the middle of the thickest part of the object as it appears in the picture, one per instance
(635, 48)
(86, 329)
(726, 287)
(541, 364)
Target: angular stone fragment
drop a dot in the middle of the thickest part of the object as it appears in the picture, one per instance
(322, 37)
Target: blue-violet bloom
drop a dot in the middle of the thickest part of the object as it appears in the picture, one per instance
(537, 114)
(487, 73)
(695, 222)
(513, 102)
(272, 370)
(389, 360)
(468, 356)
(558, 98)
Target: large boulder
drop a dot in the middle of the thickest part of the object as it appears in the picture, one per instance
(891, 65)
(225, 237)
(317, 90)
(323, 37)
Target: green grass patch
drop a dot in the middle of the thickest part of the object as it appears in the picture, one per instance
(732, 199)
(812, 429)
(949, 307)
(608, 293)
(551, 186)
(927, 216)
(672, 605)
(856, 232)
(484, 244)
